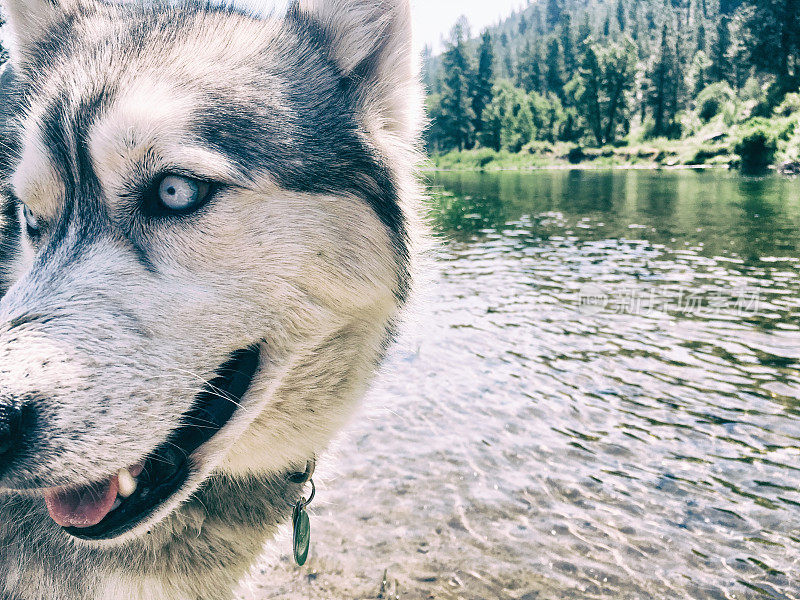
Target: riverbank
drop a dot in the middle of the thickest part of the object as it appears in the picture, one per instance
(714, 149)
(708, 154)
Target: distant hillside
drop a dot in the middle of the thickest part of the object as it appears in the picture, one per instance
(597, 72)
(544, 18)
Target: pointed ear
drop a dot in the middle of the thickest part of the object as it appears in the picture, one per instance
(361, 30)
(29, 20)
(371, 42)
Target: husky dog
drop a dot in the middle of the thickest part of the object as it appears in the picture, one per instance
(207, 229)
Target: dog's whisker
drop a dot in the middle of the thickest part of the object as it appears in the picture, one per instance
(210, 388)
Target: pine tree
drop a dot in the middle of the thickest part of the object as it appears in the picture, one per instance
(568, 45)
(602, 88)
(622, 19)
(520, 129)
(635, 31)
(584, 34)
(554, 13)
(435, 136)
(523, 24)
(484, 79)
(457, 115)
(529, 68)
(492, 134)
(739, 56)
(681, 44)
(650, 18)
(554, 79)
(720, 58)
(662, 83)
(698, 73)
(773, 39)
(619, 64)
(589, 93)
(728, 7)
(509, 64)
(428, 79)
(509, 120)
(700, 42)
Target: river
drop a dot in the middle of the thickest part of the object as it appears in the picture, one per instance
(598, 397)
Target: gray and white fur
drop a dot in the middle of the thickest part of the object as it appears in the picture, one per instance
(114, 317)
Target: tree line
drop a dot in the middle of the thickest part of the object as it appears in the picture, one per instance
(589, 71)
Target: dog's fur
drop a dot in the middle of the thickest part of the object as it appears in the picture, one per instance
(113, 320)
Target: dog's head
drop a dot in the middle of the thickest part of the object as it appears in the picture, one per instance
(213, 242)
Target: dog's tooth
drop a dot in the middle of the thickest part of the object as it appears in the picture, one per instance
(127, 483)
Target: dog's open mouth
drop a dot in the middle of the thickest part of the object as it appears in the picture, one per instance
(111, 508)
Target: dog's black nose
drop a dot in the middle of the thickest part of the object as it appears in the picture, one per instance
(10, 421)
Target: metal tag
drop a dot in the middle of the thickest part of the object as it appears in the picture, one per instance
(301, 539)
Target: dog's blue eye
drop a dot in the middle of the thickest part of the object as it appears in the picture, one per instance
(182, 193)
(31, 221)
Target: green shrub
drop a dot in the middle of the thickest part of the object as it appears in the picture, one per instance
(648, 153)
(714, 100)
(575, 155)
(754, 100)
(672, 130)
(757, 146)
(785, 129)
(707, 152)
(484, 156)
(753, 91)
(537, 147)
(790, 106)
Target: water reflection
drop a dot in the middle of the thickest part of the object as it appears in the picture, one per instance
(601, 400)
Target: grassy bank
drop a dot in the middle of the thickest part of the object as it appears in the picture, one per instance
(562, 155)
(755, 145)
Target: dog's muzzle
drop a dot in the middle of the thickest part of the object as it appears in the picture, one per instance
(111, 508)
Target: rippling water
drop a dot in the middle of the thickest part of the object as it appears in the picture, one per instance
(601, 399)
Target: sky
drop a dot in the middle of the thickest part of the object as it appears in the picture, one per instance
(434, 18)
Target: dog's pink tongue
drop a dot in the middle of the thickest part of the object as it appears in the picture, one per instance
(82, 507)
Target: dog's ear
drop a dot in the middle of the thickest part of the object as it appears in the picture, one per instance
(361, 31)
(30, 19)
(371, 42)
